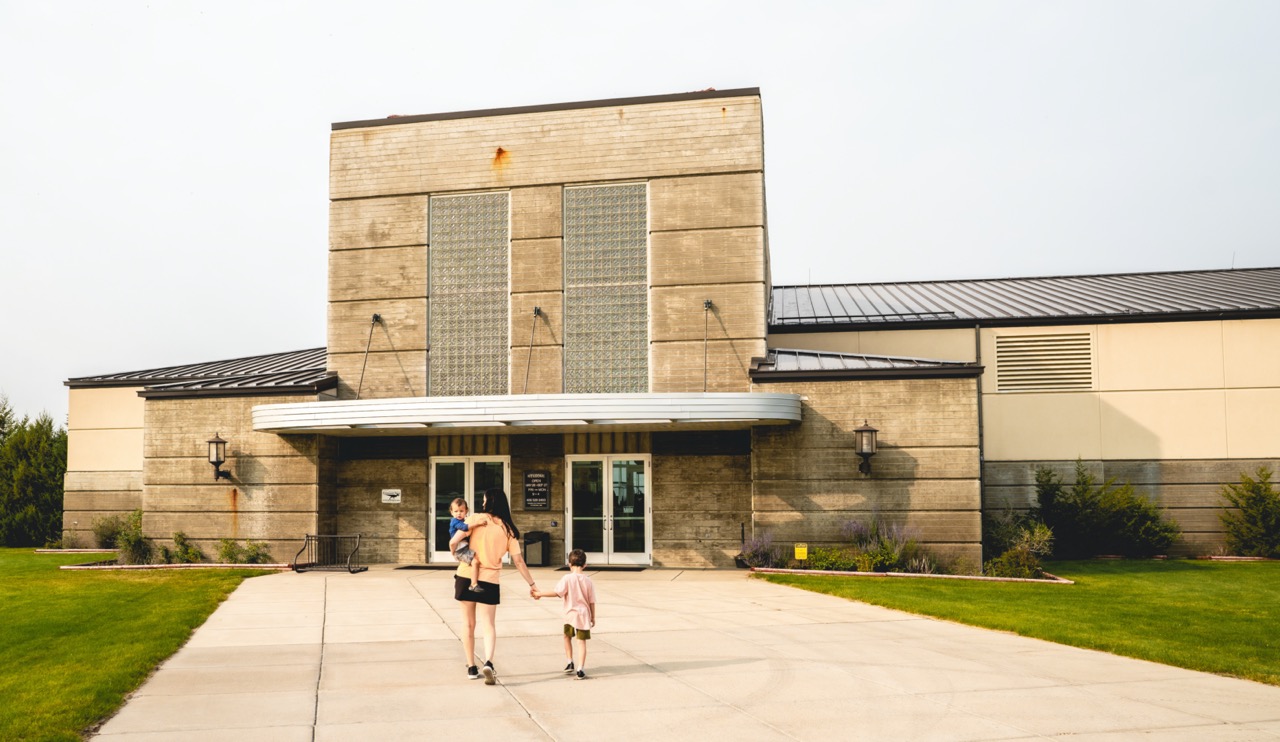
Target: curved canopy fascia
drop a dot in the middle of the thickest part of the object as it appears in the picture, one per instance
(529, 413)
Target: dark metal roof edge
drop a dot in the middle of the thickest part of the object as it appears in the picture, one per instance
(934, 372)
(1063, 319)
(255, 391)
(1031, 278)
(106, 380)
(544, 108)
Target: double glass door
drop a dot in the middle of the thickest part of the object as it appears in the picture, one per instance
(610, 514)
(461, 476)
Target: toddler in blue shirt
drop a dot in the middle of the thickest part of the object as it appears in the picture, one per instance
(462, 551)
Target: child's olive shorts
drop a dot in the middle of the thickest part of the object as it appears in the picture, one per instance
(583, 634)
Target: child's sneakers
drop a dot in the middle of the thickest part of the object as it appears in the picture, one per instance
(582, 675)
(568, 669)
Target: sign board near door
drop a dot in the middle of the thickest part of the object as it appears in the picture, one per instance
(537, 490)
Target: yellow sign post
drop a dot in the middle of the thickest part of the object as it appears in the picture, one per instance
(802, 552)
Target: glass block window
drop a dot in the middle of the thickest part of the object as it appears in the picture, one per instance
(606, 278)
(468, 317)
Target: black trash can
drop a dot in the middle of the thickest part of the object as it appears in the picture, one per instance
(537, 548)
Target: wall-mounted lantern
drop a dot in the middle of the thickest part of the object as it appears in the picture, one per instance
(864, 444)
(218, 457)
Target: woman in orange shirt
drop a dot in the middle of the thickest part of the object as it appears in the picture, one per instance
(493, 535)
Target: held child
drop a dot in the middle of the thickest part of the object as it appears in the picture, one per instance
(579, 595)
(459, 543)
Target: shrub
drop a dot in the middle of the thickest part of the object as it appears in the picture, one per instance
(184, 551)
(257, 552)
(253, 552)
(1088, 519)
(835, 559)
(1032, 541)
(71, 540)
(759, 551)
(1253, 523)
(230, 552)
(134, 548)
(107, 530)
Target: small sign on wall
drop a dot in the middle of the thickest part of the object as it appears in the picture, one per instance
(391, 497)
(537, 490)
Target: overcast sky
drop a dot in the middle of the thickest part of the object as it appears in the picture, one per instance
(164, 166)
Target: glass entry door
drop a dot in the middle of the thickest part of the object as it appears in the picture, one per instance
(609, 512)
(459, 476)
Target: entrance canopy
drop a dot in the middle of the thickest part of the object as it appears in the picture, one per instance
(529, 413)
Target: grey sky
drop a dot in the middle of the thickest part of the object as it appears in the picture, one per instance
(163, 168)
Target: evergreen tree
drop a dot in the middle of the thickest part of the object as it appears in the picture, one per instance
(33, 460)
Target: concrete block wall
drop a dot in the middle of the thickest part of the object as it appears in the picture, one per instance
(925, 475)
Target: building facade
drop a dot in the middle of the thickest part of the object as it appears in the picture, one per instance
(573, 302)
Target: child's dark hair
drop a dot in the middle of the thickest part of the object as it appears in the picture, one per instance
(457, 501)
(577, 558)
(495, 503)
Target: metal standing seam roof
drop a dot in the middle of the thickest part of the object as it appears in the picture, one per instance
(786, 363)
(300, 371)
(1054, 299)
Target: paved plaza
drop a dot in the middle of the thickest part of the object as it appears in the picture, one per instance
(676, 655)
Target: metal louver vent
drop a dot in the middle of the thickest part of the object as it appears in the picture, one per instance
(1044, 363)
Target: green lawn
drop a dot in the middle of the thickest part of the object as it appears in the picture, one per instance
(72, 644)
(1219, 617)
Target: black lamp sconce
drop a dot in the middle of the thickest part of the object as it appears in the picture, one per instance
(218, 457)
(864, 444)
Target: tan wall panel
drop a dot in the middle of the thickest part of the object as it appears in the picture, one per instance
(707, 202)
(209, 497)
(182, 428)
(378, 222)
(246, 471)
(1252, 352)
(381, 273)
(569, 146)
(678, 367)
(1252, 429)
(537, 212)
(825, 528)
(105, 408)
(1015, 429)
(550, 324)
(946, 345)
(545, 370)
(1164, 425)
(862, 494)
(104, 450)
(888, 463)
(87, 502)
(738, 311)
(707, 257)
(537, 265)
(113, 481)
(403, 326)
(387, 375)
(219, 525)
(1159, 355)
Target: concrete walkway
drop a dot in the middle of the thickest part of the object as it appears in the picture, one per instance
(677, 655)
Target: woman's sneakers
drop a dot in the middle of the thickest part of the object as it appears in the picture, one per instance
(582, 675)
(473, 673)
(490, 675)
(568, 669)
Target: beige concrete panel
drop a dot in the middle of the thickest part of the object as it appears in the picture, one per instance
(675, 472)
(403, 326)
(208, 497)
(738, 311)
(888, 463)
(1016, 427)
(541, 372)
(182, 428)
(246, 471)
(825, 528)
(382, 273)
(549, 324)
(386, 375)
(413, 498)
(718, 498)
(541, 148)
(104, 450)
(1164, 425)
(378, 222)
(717, 256)
(537, 265)
(107, 481)
(85, 502)
(857, 492)
(709, 529)
(1252, 429)
(955, 344)
(373, 475)
(707, 202)
(1188, 471)
(693, 554)
(1251, 350)
(537, 212)
(679, 367)
(219, 525)
(1159, 355)
(104, 408)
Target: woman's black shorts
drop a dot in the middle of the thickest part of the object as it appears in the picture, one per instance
(492, 594)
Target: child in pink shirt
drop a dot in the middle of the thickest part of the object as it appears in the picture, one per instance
(579, 596)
